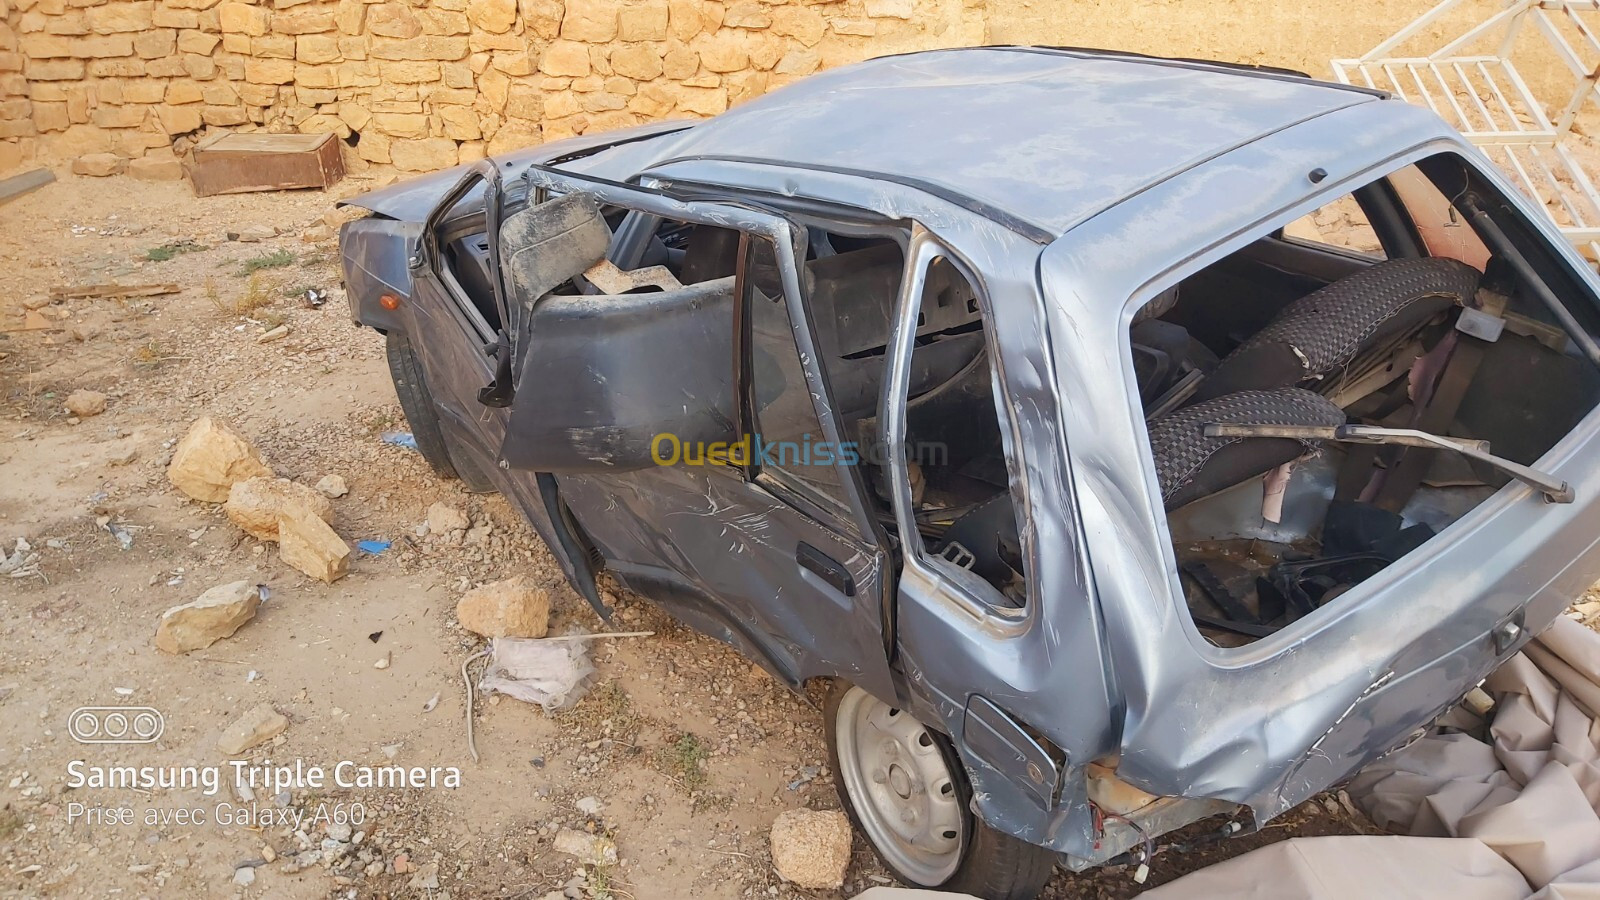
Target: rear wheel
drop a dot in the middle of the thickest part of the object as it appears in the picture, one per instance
(417, 403)
(905, 789)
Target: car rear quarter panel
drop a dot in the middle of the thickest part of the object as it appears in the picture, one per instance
(1270, 724)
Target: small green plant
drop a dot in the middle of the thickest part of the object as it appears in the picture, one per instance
(684, 760)
(169, 251)
(277, 259)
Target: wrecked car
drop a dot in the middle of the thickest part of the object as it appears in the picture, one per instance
(1017, 395)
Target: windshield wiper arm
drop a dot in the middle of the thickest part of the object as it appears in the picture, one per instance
(1554, 489)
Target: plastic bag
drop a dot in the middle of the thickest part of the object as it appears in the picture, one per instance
(553, 674)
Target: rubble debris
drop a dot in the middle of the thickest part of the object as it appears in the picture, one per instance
(514, 607)
(444, 518)
(22, 562)
(211, 458)
(332, 486)
(251, 234)
(426, 878)
(123, 536)
(316, 234)
(811, 848)
(98, 165)
(400, 439)
(214, 615)
(256, 504)
(590, 849)
(123, 455)
(310, 545)
(85, 403)
(111, 291)
(273, 334)
(162, 167)
(257, 726)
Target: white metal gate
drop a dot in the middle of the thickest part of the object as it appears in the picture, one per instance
(1484, 96)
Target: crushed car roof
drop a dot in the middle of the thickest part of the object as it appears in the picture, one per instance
(1037, 138)
(1047, 137)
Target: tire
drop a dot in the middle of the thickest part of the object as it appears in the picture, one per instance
(417, 403)
(960, 853)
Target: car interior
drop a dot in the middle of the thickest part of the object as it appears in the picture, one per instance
(1386, 310)
(1425, 327)
(964, 512)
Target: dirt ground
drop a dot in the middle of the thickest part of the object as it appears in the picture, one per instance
(682, 752)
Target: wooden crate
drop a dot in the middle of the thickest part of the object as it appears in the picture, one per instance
(236, 163)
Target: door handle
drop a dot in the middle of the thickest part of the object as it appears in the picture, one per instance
(826, 567)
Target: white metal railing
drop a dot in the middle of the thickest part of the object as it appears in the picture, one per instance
(1484, 97)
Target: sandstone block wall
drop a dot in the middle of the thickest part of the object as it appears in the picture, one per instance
(120, 85)
(417, 85)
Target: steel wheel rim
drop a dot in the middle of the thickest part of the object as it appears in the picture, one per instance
(901, 788)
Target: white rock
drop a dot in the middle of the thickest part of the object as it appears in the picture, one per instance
(588, 805)
(309, 544)
(257, 726)
(210, 458)
(244, 876)
(209, 618)
(444, 518)
(84, 403)
(591, 849)
(514, 607)
(332, 486)
(811, 848)
(256, 505)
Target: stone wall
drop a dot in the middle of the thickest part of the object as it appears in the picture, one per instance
(417, 85)
(423, 84)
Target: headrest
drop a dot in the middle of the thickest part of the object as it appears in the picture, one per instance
(545, 245)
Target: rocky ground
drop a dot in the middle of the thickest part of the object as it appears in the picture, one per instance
(681, 755)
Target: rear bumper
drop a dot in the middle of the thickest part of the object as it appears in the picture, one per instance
(1269, 725)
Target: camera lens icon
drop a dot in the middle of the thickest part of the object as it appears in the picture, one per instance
(116, 724)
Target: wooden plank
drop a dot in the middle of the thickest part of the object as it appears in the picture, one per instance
(237, 163)
(32, 320)
(26, 183)
(88, 291)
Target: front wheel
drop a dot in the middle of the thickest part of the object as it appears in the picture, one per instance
(904, 788)
(416, 401)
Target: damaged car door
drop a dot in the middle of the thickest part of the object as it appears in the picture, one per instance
(657, 365)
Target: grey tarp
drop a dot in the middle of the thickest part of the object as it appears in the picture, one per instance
(1507, 820)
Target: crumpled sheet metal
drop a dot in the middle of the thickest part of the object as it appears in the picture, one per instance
(1509, 820)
